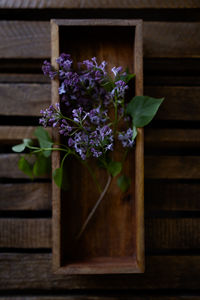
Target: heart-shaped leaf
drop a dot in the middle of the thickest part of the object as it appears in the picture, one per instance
(142, 109)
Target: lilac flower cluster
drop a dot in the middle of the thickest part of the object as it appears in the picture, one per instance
(51, 116)
(126, 137)
(86, 96)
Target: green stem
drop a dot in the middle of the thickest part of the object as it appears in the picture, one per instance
(61, 165)
(94, 208)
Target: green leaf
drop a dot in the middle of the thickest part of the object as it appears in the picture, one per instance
(44, 140)
(21, 147)
(18, 148)
(60, 178)
(142, 109)
(25, 167)
(27, 142)
(42, 165)
(124, 183)
(114, 168)
(134, 132)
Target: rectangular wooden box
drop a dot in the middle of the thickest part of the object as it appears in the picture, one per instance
(114, 240)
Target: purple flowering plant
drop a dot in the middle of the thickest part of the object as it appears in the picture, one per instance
(93, 114)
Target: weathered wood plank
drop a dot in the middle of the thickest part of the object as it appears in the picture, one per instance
(161, 233)
(159, 196)
(172, 167)
(32, 98)
(25, 233)
(171, 196)
(23, 78)
(171, 138)
(9, 166)
(32, 39)
(24, 39)
(10, 135)
(34, 271)
(23, 99)
(29, 196)
(184, 100)
(70, 4)
(156, 167)
(173, 233)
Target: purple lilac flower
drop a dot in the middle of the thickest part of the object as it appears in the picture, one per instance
(61, 89)
(101, 139)
(51, 116)
(65, 128)
(116, 70)
(80, 143)
(79, 115)
(82, 92)
(64, 61)
(119, 89)
(48, 70)
(71, 80)
(126, 138)
(93, 65)
(97, 115)
(96, 153)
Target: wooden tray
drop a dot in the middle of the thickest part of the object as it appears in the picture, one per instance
(114, 240)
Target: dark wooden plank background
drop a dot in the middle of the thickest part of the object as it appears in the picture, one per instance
(172, 161)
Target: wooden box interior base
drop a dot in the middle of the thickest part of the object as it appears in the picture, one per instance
(108, 245)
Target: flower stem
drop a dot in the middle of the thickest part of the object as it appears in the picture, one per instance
(94, 208)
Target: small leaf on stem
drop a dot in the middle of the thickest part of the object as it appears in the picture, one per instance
(114, 168)
(124, 183)
(42, 165)
(44, 140)
(21, 147)
(25, 167)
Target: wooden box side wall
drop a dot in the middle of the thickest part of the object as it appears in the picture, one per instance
(138, 152)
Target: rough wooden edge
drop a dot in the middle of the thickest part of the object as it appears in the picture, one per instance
(139, 152)
(96, 22)
(56, 193)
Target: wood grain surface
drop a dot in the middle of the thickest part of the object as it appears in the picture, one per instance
(30, 39)
(94, 4)
(34, 271)
(161, 233)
